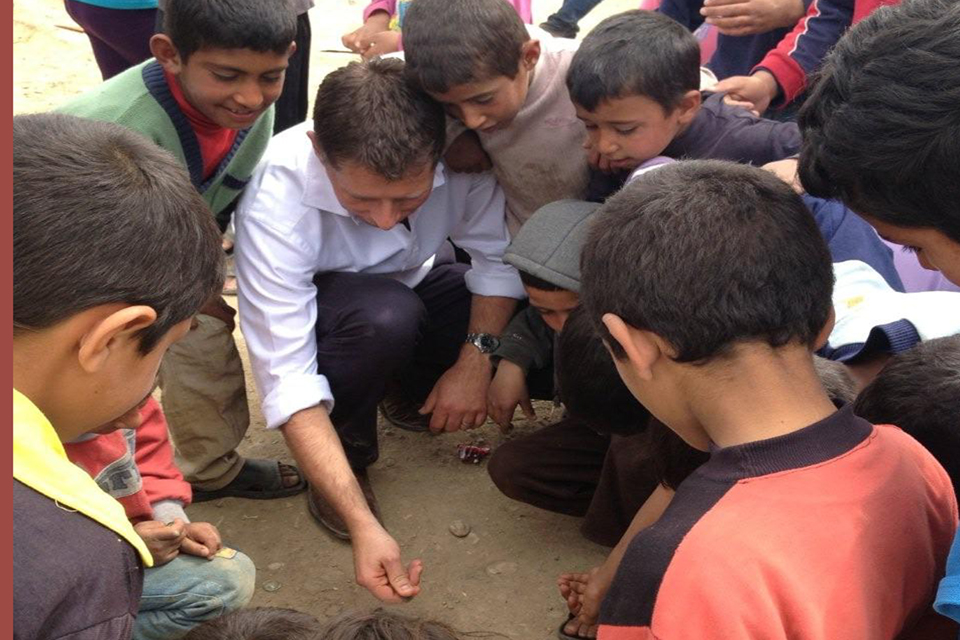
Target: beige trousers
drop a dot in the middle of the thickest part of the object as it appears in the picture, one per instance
(204, 398)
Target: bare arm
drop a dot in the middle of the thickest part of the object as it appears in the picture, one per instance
(459, 399)
(317, 449)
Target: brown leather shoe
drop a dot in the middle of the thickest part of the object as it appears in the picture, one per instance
(326, 515)
(403, 412)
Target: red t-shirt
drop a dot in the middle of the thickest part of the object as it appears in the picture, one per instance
(215, 141)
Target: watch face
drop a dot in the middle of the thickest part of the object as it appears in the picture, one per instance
(488, 343)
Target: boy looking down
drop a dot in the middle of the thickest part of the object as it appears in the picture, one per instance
(348, 286)
(711, 285)
(91, 323)
(207, 98)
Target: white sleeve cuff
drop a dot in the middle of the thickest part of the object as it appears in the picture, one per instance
(296, 392)
(502, 280)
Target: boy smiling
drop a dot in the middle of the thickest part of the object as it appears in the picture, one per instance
(207, 97)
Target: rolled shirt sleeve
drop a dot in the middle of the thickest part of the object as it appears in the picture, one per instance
(482, 233)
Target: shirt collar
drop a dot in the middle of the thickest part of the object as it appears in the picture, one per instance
(318, 192)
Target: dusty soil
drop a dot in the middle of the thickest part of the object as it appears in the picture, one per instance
(501, 577)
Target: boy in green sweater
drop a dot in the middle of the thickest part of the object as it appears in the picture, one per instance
(207, 97)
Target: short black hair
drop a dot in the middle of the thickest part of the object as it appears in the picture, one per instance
(919, 391)
(259, 623)
(260, 25)
(369, 113)
(635, 53)
(448, 43)
(708, 254)
(381, 624)
(102, 215)
(881, 127)
(530, 280)
(836, 380)
(590, 387)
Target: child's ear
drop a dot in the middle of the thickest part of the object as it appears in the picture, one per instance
(689, 106)
(111, 333)
(530, 54)
(162, 48)
(292, 49)
(641, 351)
(824, 334)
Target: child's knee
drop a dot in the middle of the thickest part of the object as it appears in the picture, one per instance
(236, 577)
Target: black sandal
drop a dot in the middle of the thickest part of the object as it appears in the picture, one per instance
(258, 480)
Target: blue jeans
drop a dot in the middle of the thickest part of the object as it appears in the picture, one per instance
(571, 12)
(187, 590)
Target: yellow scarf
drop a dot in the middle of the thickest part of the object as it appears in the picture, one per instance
(40, 462)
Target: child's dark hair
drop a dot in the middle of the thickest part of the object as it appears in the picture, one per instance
(836, 380)
(102, 215)
(635, 53)
(448, 43)
(259, 623)
(368, 113)
(590, 387)
(380, 624)
(260, 25)
(707, 254)
(919, 391)
(530, 280)
(881, 127)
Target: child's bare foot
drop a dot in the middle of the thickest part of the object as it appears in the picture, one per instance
(582, 601)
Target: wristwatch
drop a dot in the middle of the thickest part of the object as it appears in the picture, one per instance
(486, 342)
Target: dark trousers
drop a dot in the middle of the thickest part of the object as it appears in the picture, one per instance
(372, 330)
(120, 37)
(570, 13)
(291, 106)
(570, 468)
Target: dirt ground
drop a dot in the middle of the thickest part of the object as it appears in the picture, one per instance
(500, 578)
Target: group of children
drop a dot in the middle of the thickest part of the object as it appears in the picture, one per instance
(731, 345)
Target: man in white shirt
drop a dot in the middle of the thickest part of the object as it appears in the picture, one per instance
(348, 282)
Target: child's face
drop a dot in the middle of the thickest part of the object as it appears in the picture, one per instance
(492, 104)
(554, 306)
(231, 87)
(627, 132)
(935, 251)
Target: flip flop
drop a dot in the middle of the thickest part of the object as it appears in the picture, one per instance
(258, 480)
(566, 636)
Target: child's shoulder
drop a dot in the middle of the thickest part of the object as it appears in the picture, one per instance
(124, 99)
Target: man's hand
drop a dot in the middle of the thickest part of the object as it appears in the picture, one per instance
(750, 17)
(381, 44)
(583, 593)
(359, 40)
(219, 309)
(459, 399)
(376, 558)
(466, 155)
(754, 92)
(507, 390)
(202, 539)
(786, 170)
(163, 540)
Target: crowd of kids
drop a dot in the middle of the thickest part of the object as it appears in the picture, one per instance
(756, 378)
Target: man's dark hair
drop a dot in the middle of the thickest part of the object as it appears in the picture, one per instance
(260, 25)
(381, 624)
(708, 254)
(590, 387)
(448, 43)
(259, 623)
(370, 114)
(881, 127)
(919, 391)
(102, 215)
(635, 53)
(530, 280)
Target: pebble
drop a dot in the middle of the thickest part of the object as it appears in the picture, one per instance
(271, 586)
(459, 528)
(473, 538)
(502, 568)
(389, 462)
(273, 566)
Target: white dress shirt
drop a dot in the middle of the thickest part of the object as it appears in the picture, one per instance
(290, 227)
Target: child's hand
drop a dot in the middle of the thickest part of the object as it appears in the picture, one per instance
(381, 44)
(359, 40)
(754, 92)
(202, 539)
(163, 540)
(466, 155)
(750, 17)
(507, 390)
(583, 593)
